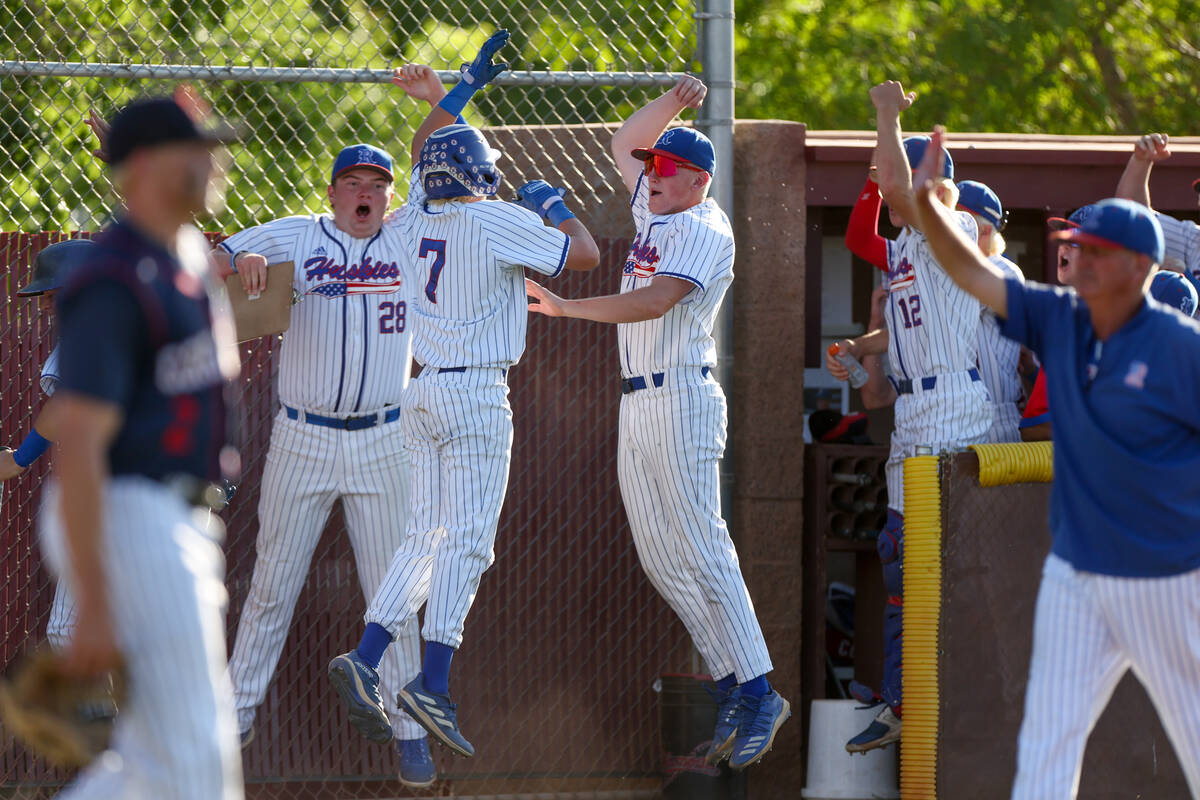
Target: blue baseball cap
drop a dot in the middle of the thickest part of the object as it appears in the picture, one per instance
(687, 144)
(366, 156)
(1174, 290)
(1122, 224)
(1077, 218)
(914, 148)
(980, 199)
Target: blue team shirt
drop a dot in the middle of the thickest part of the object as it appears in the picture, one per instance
(1126, 419)
(138, 329)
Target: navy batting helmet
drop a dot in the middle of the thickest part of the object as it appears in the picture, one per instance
(455, 161)
(54, 264)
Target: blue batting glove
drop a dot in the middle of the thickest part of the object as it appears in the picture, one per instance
(546, 201)
(482, 71)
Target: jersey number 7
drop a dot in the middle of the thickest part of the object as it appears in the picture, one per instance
(438, 248)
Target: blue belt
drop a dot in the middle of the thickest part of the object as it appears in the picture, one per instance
(503, 371)
(905, 386)
(347, 424)
(638, 382)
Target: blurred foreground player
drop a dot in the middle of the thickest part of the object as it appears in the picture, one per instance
(141, 438)
(1121, 587)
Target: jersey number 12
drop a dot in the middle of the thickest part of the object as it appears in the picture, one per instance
(438, 248)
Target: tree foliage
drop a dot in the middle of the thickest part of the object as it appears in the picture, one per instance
(1062, 67)
(53, 182)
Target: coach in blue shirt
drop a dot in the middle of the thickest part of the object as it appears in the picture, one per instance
(1121, 586)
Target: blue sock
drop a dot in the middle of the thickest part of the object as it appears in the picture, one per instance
(436, 667)
(727, 683)
(374, 641)
(756, 687)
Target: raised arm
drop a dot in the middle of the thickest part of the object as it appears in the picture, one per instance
(543, 199)
(957, 254)
(449, 106)
(420, 82)
(862, 232)
(895, 173)
(645, 125)
(1135, 180)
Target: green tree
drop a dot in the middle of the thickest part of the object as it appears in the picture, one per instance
(1063, 67)
(53, 182)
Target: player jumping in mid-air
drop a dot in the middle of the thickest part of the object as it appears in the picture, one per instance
(344, 369)
(672, 285)
(467, 256)
(1121, 587)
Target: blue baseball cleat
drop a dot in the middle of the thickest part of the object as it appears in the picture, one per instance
(417, 769)
(358, 686)
(882, 731)
(436, 714)
(728, 703)
(759, 719)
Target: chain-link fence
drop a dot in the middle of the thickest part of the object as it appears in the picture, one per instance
(567, 638)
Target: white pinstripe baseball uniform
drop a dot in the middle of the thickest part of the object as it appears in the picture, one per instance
(672, 436)
(932, 346)
(62, 608)
(1182, 240)
(999, 359)
(345, 356)
(469, 315)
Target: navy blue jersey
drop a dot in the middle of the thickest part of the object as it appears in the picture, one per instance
(1126, 418)
(150, 332)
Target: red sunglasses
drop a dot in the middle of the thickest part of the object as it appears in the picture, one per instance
(666, 167)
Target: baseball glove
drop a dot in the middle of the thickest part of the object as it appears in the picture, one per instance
(65, 720)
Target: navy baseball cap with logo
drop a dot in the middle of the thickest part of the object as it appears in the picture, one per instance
(364, 156)
(914, 148)
(155, 121)
(1119, 223)
(979, 199)
(687, 144)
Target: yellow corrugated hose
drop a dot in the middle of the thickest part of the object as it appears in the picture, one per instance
(1020, 462)
(922, 611)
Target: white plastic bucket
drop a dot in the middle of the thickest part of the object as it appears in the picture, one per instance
(834, 774)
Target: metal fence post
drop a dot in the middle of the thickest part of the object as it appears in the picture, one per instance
(716, 41)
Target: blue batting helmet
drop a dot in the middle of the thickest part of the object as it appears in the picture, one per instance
(455, 161)
(914, 148)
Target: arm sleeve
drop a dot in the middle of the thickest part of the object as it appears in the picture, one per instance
(517, 238)
(639, 204)
(1182, 240)
(103, 336)
(694, 252)
(1037, 410)
(862, 234)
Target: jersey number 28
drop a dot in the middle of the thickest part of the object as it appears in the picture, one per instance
(438, 248)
